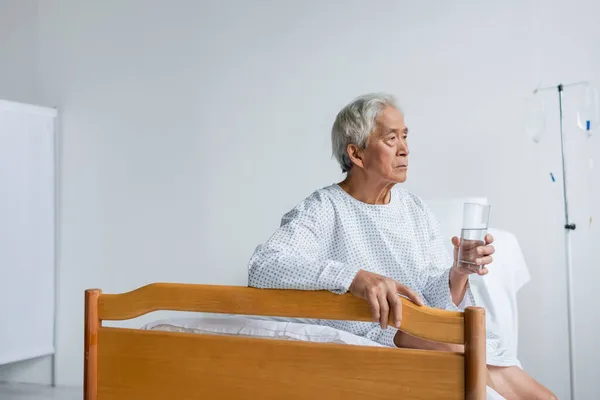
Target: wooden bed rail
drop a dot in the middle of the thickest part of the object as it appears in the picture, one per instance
(425, 322)
(123, 364)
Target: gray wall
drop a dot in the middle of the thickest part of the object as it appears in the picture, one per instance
(188, 128)
(18, 50)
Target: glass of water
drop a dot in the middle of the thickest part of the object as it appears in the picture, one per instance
(474, 228)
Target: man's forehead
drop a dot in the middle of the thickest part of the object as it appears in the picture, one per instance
(391, 117)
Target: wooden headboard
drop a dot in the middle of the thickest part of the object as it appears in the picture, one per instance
(129, 364)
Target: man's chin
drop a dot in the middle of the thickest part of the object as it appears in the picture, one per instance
(400, 177)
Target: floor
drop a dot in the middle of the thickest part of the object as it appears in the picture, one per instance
(22, 391)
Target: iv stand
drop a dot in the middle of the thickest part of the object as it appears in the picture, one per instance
(569, 228)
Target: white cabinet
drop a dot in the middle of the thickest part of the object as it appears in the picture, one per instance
(27, 231)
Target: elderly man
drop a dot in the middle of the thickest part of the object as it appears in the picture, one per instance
(370, 237)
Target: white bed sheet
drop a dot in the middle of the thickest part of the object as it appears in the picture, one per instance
(258, 327)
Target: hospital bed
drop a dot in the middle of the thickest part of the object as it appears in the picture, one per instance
(124, 363)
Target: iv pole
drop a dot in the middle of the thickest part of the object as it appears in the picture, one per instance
(569, 228)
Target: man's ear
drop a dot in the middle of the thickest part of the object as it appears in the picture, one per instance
(356, 155)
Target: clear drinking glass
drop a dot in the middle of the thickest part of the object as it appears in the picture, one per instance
(474, 228)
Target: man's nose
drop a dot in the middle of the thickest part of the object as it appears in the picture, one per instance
(402, 149)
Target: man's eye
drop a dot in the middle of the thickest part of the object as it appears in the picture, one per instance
(392, 137)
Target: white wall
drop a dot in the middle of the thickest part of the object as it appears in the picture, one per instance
(566, 37)
(188, 130)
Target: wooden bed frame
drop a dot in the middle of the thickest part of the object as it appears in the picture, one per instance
(145, 364)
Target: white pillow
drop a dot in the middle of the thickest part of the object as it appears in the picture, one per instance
(252, 327)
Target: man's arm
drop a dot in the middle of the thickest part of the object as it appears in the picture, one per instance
(458, 286)
(444, 286)
(291, 258)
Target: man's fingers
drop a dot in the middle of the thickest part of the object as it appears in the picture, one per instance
(484, 260)
(489, 239)
(486, 250)
(395, 308)
(374, 304)
(384, 309)
(482, 271)
(409, 293)
(456, 241)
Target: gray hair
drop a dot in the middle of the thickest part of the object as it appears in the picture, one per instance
(355, 122)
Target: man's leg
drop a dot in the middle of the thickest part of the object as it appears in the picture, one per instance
(406, 341)
(514, 383)
(509, 382)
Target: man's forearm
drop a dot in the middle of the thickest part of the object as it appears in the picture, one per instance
(458, 286)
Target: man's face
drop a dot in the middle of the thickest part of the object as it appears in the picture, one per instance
(386, 155)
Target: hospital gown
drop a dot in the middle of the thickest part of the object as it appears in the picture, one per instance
(324, 241)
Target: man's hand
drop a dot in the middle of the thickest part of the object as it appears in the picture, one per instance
(483, 253)
(383, 296)
(459, 274)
